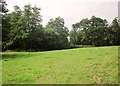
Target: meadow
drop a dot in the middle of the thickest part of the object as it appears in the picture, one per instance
(95, 65)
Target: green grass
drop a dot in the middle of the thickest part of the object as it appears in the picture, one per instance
(73, 66)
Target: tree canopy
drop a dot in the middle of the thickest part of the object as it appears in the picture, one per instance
(23, 30)
(95, 31)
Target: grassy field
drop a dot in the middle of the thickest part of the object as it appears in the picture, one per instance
(73, 66)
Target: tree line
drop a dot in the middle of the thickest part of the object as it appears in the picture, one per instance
(23, 30)
(95, 31)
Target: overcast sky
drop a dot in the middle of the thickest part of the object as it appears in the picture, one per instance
(71, 10)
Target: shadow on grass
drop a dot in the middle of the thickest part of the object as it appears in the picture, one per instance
(15, 55)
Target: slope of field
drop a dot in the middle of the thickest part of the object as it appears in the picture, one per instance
(74, 66)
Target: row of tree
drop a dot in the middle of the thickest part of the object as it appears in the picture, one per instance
(23, 30)
(95, 31)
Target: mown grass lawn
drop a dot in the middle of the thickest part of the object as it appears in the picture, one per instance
(73, 66)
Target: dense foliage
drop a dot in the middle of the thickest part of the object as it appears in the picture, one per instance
(23, 30)
(95, 31)
(3, 10)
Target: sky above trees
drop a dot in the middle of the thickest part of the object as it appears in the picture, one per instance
(71, 10)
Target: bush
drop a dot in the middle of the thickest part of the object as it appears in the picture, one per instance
(81, 46)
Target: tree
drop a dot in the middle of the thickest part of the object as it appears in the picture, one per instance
(90, 32)
(115, 32)
(3, 8)
(60, 31)
(33, 25)
(6, 28)
(98, 30)
(22, 28)
(73, 33)
(51, 39)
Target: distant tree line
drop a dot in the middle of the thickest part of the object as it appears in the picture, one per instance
(23, 30)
